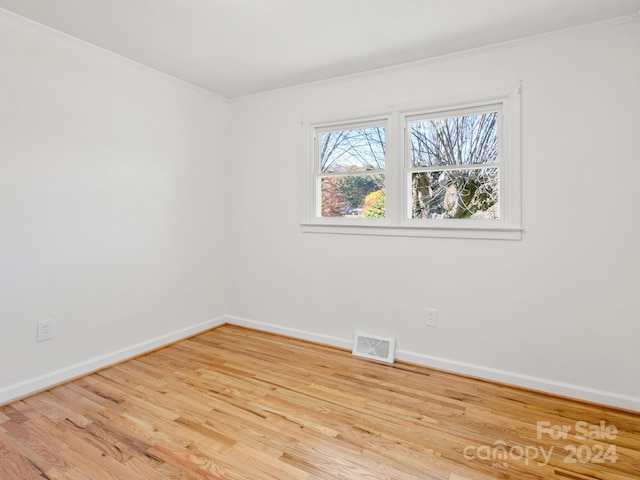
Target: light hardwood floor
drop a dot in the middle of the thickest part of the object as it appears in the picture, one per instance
(234, 403)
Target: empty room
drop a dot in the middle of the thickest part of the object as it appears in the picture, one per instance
(319, 239)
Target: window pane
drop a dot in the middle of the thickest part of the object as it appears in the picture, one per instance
(353, 196)
(357, 150)
(464, 140)
(470, 193)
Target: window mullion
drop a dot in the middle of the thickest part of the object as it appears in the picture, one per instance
(393, 179)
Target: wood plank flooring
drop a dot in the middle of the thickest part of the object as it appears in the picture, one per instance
(234, 403)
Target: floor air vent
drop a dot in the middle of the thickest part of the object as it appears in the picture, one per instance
(376, 348)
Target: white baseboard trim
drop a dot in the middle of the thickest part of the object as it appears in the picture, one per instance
(553, 387)
(290, 332)
(48, 380)
(42, 382)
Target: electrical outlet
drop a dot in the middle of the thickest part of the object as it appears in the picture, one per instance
(431, 318)
(44, 330)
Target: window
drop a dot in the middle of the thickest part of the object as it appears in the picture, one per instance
(450, 171)
(351, 164)
(453, 166)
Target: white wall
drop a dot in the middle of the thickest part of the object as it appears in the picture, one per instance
(135, 210)
(558, 310)
(113, 208)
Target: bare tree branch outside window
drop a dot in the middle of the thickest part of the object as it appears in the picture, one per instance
(354, 163)
(454, 170)
(455, 178)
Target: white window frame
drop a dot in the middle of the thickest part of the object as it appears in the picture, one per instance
(397, 220)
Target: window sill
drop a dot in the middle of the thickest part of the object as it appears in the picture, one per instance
(492, 233)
